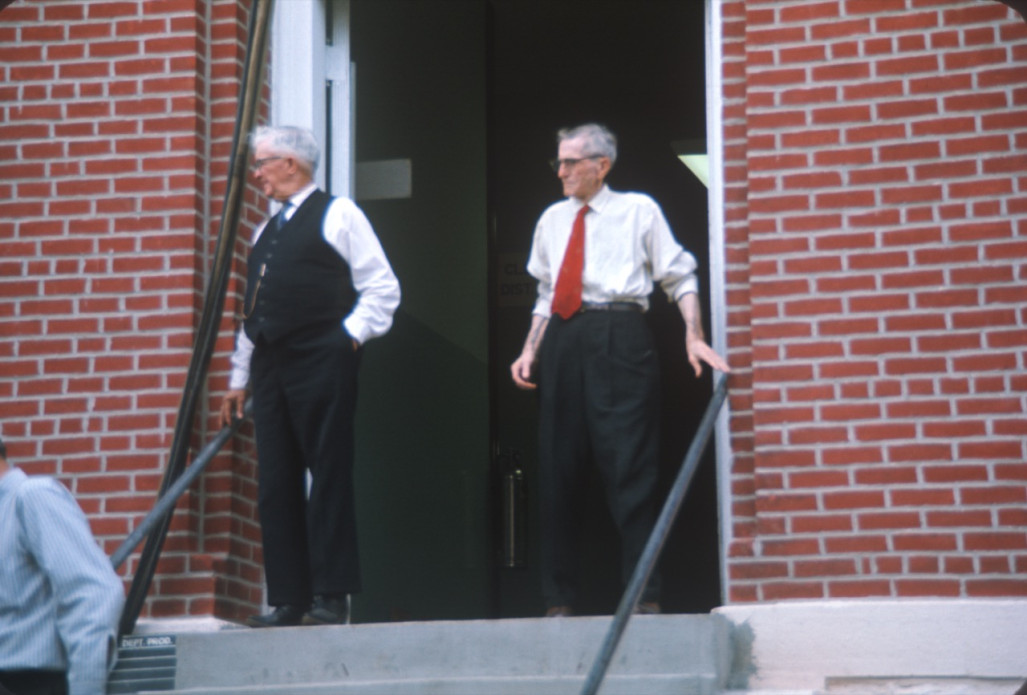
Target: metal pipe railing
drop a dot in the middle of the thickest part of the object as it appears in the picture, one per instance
(170, 497)
(657, 539)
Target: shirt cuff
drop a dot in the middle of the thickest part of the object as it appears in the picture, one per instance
(356, 329)
(238, 380)
(689, 286)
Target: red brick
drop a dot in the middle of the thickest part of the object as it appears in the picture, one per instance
(923, 565)
(1004, 541)
(829, 567)
(996, 587)
(776, 35)
(940, 84)
(851, 198)
(991, 450)
(758, 570)
(859, 588)
(774, 591)
(908, 108)
(907, 65)
(855, 156)
(841, 114)
(980, 100)
(874, 90)
(908, 22)
(816, 524)
(842, 72)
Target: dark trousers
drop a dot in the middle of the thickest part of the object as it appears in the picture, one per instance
(33, 682)
(599, 384)
(304, 399)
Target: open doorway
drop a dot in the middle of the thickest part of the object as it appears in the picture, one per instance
(637, 67)
(469, 94)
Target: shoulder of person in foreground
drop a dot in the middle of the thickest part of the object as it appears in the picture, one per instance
(59, 534)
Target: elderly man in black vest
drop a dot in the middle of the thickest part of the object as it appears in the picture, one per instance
(318, 287)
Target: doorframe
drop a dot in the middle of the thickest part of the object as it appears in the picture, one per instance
(320, 86)
(312, 80)
(718, 268)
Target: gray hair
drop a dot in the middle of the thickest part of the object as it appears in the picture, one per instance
(288, 140)
(598, 139)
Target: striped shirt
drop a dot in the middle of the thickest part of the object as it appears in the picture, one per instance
(60, 600)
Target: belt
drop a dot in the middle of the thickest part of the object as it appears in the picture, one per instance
(611, 306)
(34, 680)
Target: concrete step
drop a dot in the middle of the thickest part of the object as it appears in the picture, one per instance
(658, 654)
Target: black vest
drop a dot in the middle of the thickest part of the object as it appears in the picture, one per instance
(296, 279)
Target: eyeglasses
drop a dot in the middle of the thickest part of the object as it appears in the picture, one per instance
(557, 163)
(259, 163)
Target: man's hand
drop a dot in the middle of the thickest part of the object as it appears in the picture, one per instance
(695, 342)
(521, 371)
(699, 352)
(523, 368)
(232, 406)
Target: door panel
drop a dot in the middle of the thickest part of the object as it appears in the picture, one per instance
(469, 94)
(422, 426)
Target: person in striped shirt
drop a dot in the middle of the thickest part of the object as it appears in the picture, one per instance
(60, 599)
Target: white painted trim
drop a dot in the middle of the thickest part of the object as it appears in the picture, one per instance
(182, 625)
(718, 268)
(298, 69)
(341, 73)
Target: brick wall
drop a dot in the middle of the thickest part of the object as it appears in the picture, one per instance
(116, 121)
(876, 211)
(875, 214)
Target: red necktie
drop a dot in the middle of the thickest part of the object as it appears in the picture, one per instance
(567, 295)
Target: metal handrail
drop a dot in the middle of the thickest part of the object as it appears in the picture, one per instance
(169, 499)
(657, 538)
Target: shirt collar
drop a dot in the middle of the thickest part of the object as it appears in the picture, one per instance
(297, 198)
(598, 201)
(8, 481)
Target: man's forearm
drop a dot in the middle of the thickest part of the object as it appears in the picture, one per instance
(688, 305)
(535, 334)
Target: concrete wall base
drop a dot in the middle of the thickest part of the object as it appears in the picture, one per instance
(874, 647)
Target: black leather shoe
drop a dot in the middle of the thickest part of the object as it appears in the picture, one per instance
(282, 616)
(328, 611)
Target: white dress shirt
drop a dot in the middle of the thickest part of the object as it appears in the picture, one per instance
(628, 246)
(348, 231)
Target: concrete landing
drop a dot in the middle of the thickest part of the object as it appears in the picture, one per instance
(658, 654)
(858, 647)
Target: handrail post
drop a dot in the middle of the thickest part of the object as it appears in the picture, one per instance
(657, 538)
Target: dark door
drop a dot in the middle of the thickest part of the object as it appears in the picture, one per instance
(468, 94)
(423, 422)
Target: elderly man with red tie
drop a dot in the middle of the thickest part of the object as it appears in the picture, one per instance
(596, 255)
